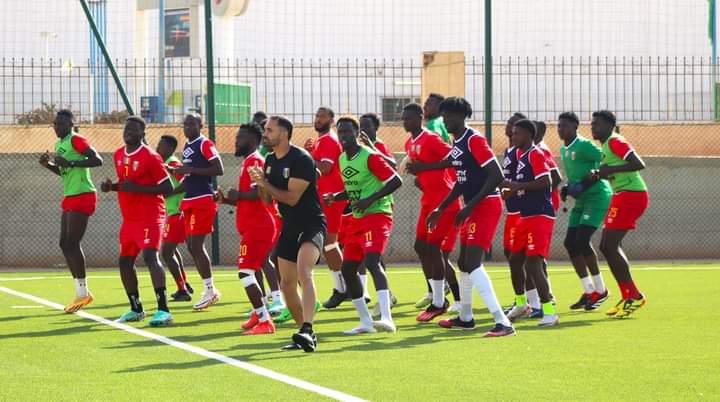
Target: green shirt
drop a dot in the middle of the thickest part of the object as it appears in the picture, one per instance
(579, 158)
(437, 126)
(623, 181)
(361, 183)
(76, 180)
(172, 202)
(263, 151)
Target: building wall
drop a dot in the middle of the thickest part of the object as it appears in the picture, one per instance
(681, 223)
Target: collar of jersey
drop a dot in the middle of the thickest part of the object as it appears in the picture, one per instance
(414, 139)
(464, 134)
(573, 141)
(198, 138)
(133, 152)
(528, 151)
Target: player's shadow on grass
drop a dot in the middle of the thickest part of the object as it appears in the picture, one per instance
(68, 330)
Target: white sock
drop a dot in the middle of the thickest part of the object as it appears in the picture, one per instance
(384, 301)
(466, 287)
(339, 282)
(363, 312)
(81, 289)
(438, 292)
(599, 284)
(533, 298)
(209, 284)
(363, 280)
(481, 282)
(265, 300)
(587, 284)
(262, 314)
(276, 295)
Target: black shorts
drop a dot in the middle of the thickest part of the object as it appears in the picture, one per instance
(293, 236)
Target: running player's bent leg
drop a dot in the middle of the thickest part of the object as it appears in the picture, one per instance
(307, 257)
(288, 284)
(157, 275)
(169, 254)
(74, 225)
(480, 280)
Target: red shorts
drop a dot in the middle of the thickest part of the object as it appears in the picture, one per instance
(82, 203)
(255, 246)
(437, 234)
(370, 234)
(136, 236)
(346, 223)
(626, 207)
(479, 229)
(199, 219)
(333, 215)
(533, 235)
(174, 231)
(511, 221)
(448, 243)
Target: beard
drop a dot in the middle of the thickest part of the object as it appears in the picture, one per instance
(322, 129)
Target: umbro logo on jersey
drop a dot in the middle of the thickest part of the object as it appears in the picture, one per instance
(456, 152)
(187, 152)
(349, 172)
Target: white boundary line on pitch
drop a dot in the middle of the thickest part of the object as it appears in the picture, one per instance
(389, 272)
(273, 375)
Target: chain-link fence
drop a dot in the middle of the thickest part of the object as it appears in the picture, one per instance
(639, 89)
(681, 223)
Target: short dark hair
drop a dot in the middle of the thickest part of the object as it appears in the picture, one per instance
(606, 115)
(170, 140)
(285, 123)
(259, 116)
(348, 119)
(528, 125)
(456, 104)
(571, 116)
(436, 96)
(328, 110)
(137, 119)
(540, 126)
(253, 128)
(195, 116)
(372, 116)
(515, 117)
(66, 113)
(414, 107)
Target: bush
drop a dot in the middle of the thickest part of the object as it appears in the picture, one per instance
(45, 114)
(113, 117)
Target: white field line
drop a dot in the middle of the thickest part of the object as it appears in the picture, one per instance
(330, 393)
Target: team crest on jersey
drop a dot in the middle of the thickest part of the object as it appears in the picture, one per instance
(506, 162)
(572, 155)
(286, 172)
(416, 148)
(187, 152)
(135, 165)
(268, 169)
(456, 152)
(520, 166)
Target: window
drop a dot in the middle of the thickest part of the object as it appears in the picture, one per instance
(392, 107)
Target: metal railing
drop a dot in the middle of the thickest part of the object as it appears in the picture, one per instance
(637, 89)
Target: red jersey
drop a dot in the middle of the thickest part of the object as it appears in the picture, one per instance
(550, 160)
(383, 148)
(328, 149)
(143, 167)
(251, 213)
(429, 147)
